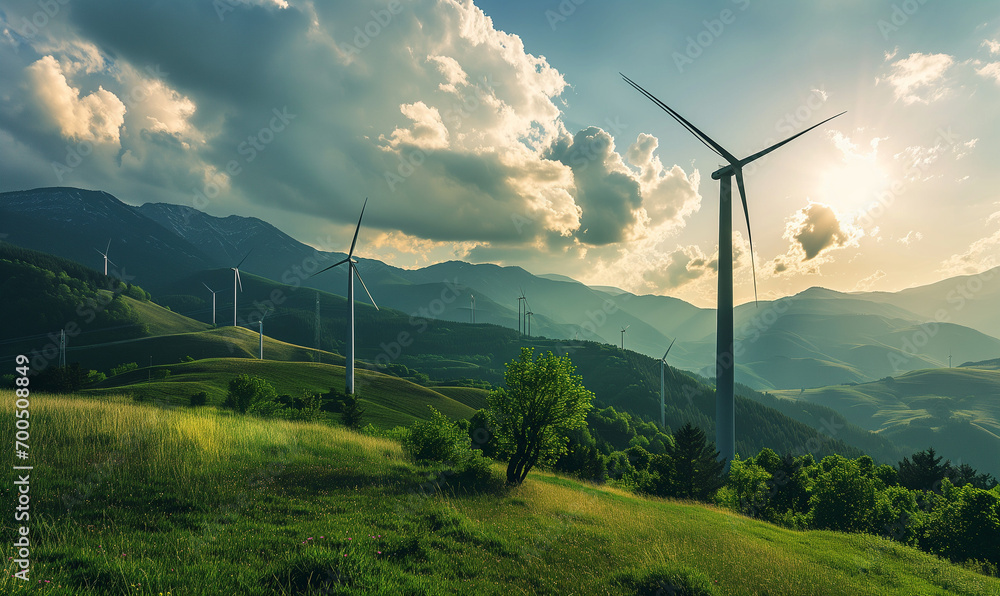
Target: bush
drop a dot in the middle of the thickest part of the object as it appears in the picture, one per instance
(351, 411)
(668, 578)
(251, 392)
(161, 373)
(199, 399)
(94, 377)
(442, 440)
(123, 368)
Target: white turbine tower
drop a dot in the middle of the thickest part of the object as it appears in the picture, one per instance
(105, 255)
(624, 329)
(237, 280)
(663, 387)
(352, 270)
(527, 317)
(214, 292)
(473, 298)
(520, 317)
(725, 365)
(260, 326)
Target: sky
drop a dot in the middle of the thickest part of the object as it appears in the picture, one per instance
(502, 131)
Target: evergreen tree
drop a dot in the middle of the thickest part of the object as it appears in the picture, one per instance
(351, 411)
(924, 472)
(697, 469)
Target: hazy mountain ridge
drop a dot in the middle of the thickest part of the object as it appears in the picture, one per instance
(814, 338)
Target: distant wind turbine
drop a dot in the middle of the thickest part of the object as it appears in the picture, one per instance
(214, 292)
(352, 270)
(520, 317)
(260, 325)
(473, 298)
(663, 386)
(105, 255)
(725, 423)
(237, 280)
(527, 317)
(624, 329)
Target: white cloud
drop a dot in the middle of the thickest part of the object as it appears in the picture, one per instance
(990, 71)
(993, 45)
(911, 237)
(869, 282)
(981, 255)
(813, 232)
(94, 117)
(918, 78)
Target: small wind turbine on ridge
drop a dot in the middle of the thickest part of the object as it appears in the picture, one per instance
(352, 270)
(237, 280)
(725, 365)
(214, 292)
(624, 329)
(105, 255)
(663, 386)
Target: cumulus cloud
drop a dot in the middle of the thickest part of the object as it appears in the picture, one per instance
(981, 255)
(813, 232)
(919, 78)
(911, 237)
(869, 282)
(683, 265)
(97, 116)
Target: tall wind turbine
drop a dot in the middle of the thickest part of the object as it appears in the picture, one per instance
(725, 366)
(214, 292)
(473, 298)
(105, 255)
(352, 270)
(663, 387)
(527, 317)
(237, 280)
(520, 317)
(624, 329)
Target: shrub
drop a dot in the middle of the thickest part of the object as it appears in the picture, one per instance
(351, 411)
(250, 392)
(442, 440)
(199, 399)
(668, 578)
(123, 368)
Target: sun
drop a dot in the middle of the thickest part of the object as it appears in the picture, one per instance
(854, 185)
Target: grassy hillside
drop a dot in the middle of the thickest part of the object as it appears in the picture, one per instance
(390, 401)
(144, 500)
(224, 342)
(955, 410)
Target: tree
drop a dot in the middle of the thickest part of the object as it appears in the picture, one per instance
(246, 391)
(924, 472)
(843, 499)
(351, 411)
(531, 416)
(697, 469)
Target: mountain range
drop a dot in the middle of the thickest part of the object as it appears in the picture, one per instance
(815, 338)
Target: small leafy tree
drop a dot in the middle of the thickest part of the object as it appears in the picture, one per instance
(199, 399)
(351, 411)
(541, 402)
(248, 392)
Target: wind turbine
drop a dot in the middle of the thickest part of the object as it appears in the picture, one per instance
(237, 280)
(725, 366)
(352, 270)
(473, 298)
(527, 317)
(106, 259)
(625, 328)
(260, 325)
(663, 385)
(520, 317)
(214, 292)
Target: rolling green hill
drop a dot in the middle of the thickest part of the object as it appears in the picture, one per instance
(147, 500)
(390, 401)
(954, 410)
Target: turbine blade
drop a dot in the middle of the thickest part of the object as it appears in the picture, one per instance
(668, 350)
(101, 253)
(112, 262)
(109, 246)
(760, 154)
(244, 258)
(626, 327)
(746, 213)
(207, 288)
(357, 229)
(704, 138)
(238, 280)
(341, 262)
(355, 269)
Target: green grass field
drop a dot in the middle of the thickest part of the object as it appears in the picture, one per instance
(137, 499)
(390, 401)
